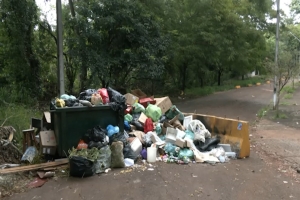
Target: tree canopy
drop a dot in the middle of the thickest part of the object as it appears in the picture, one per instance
(156, 45)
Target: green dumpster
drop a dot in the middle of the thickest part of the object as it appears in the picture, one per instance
(70, 124)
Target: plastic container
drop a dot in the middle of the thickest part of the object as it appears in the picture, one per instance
(136, 146)
(70, 124)
(151, 154)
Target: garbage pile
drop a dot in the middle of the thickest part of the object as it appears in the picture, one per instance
(154, 130)
(91, 98)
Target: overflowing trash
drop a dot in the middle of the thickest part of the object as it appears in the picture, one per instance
(152, 130)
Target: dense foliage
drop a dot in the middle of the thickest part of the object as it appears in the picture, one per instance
(159, 46)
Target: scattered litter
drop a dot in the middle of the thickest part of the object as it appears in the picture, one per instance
(285, 182)
(107, 170)
(43, 175)
(194, 176)
(37, 182)
(150, 169)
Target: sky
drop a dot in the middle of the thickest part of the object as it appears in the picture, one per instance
(48, 8)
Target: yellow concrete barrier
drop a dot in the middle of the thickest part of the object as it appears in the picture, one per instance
(249, 85)
(231, 131)
(258, 83)
(238, 87)
(268, 82)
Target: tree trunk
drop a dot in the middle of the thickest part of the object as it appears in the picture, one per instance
(219, 77)
(201, 82)
(183, 77)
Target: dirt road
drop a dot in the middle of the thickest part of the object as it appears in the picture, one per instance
(249, 178)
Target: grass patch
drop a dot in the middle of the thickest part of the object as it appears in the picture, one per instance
(18, 116)
(284, 103)
(288, 89)
(263, 112)
(288, 96)
(279, 115)
(228, 85)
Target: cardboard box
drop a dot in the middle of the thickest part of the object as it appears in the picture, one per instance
(164, 103)
(131, 99)
(48, 142)
(139, 93)
(143, 118)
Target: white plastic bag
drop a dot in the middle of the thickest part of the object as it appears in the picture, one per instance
(199, 130)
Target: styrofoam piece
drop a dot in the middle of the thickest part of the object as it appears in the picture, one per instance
(180, 133)
(171, 135)
(136, 146)
(180, 142)
(226, 147)
(187, 120)
(230, 154)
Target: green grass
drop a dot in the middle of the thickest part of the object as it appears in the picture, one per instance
(288, 89)
(285, 103)
(288, 96)
(263, 112)
(228, 85)
(16, 114)
(279, 115)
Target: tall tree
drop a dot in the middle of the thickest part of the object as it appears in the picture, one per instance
(18, 19)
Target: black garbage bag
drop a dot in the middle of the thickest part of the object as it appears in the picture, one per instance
(81, 167)
(52, 105)
(117, 100)
(129, 153)
(98, 134)
(136, 116)
(209, 144)
(98, 145)
(70, 102)
(118, 137)
(115, 96)
(87, 94)
(77, 104)
(138, 125)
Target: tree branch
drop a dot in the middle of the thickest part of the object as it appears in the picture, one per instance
(49, 31)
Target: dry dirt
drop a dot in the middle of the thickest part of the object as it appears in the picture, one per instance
(265, 175)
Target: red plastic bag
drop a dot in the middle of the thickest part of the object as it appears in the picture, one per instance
(104, 94)
(82, 145)
(148, 125)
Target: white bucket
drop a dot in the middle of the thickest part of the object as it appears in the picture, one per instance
(151, 154)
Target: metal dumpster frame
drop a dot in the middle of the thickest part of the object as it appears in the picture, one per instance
(70, 124)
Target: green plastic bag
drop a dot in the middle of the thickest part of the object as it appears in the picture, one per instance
(128, 118)
(138, 108)
(185, 153)
(158, 129)
(173, 112)
(154, 112)
(189, 134)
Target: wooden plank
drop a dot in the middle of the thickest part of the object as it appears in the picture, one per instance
(34, 167)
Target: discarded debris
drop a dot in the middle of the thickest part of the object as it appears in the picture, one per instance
(35, 167)
(37, 182)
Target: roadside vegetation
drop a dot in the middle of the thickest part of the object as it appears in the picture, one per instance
(177, 48)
